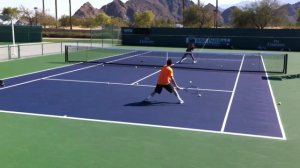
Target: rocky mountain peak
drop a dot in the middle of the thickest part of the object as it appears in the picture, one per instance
(163, 9)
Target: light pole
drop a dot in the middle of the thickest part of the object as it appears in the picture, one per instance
(9, 18)
(36, 10)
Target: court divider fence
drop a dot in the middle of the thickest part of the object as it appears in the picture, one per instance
(23, 34)
(9, 52)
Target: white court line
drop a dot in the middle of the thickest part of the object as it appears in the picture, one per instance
(95, 82)
(136, 82)
(274, 103)
(128, 57)
(127, 84)
(219, 59)
(23, 83)
(46, 78)
(140, 124)
(58, 67)
(232, 95)
(67, 72)
(61, 66)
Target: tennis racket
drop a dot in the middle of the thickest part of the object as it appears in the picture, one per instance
(193, 89)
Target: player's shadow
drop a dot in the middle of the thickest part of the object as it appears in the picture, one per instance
(284, 77)
(149, 103)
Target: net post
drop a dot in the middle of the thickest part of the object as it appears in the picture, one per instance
(9, 52)
(285, 63)
(19, 52)
(66, 53)
(112, 34)
(61, 47)
(42, 48)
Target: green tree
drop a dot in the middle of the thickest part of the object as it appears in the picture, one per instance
(281, 18)
(64, 21)
(241, 19)
(103, 19)
(89, 22)
(260, 14)
(11, 12)
(164, 23)
(144, 19)
(118, 22)
(47, 20)
(27, 15)
(298, 17)
(197, 16)
(42, 17)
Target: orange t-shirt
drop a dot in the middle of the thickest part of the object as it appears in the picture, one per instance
(165, 75)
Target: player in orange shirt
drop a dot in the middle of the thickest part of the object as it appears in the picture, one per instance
(166, 80)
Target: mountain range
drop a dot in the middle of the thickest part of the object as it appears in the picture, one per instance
(165, 9)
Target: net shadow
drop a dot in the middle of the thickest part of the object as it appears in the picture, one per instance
(150, 103)
(280, 78)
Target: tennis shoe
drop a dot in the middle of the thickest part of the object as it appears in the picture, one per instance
(180, 101)
(2, 84)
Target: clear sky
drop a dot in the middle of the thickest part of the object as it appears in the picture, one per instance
(63, 7)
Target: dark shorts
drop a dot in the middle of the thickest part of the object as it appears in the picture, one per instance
(168, 87)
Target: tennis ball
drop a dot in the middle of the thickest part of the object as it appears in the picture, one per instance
(279, 103)
(199, 95)
(191, 81)
(135, 66)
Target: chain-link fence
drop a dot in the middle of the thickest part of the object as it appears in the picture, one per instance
(9, 52)
(99, 37)
(106, 36)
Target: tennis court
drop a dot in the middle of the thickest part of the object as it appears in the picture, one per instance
(224, 93)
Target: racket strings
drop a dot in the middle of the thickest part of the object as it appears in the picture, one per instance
(193, 89)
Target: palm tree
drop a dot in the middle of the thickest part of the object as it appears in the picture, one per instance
(44, 7)
(70, 14)
(56, 13)
(183, 6)
(216, 14)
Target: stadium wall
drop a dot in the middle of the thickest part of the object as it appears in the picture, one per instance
(23, 34)
(224, 38)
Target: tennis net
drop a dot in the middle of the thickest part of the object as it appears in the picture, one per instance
(225, 61)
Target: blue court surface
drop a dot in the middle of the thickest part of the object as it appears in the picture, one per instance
(225, 102)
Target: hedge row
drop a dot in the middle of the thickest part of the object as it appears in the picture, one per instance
(63, 33)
